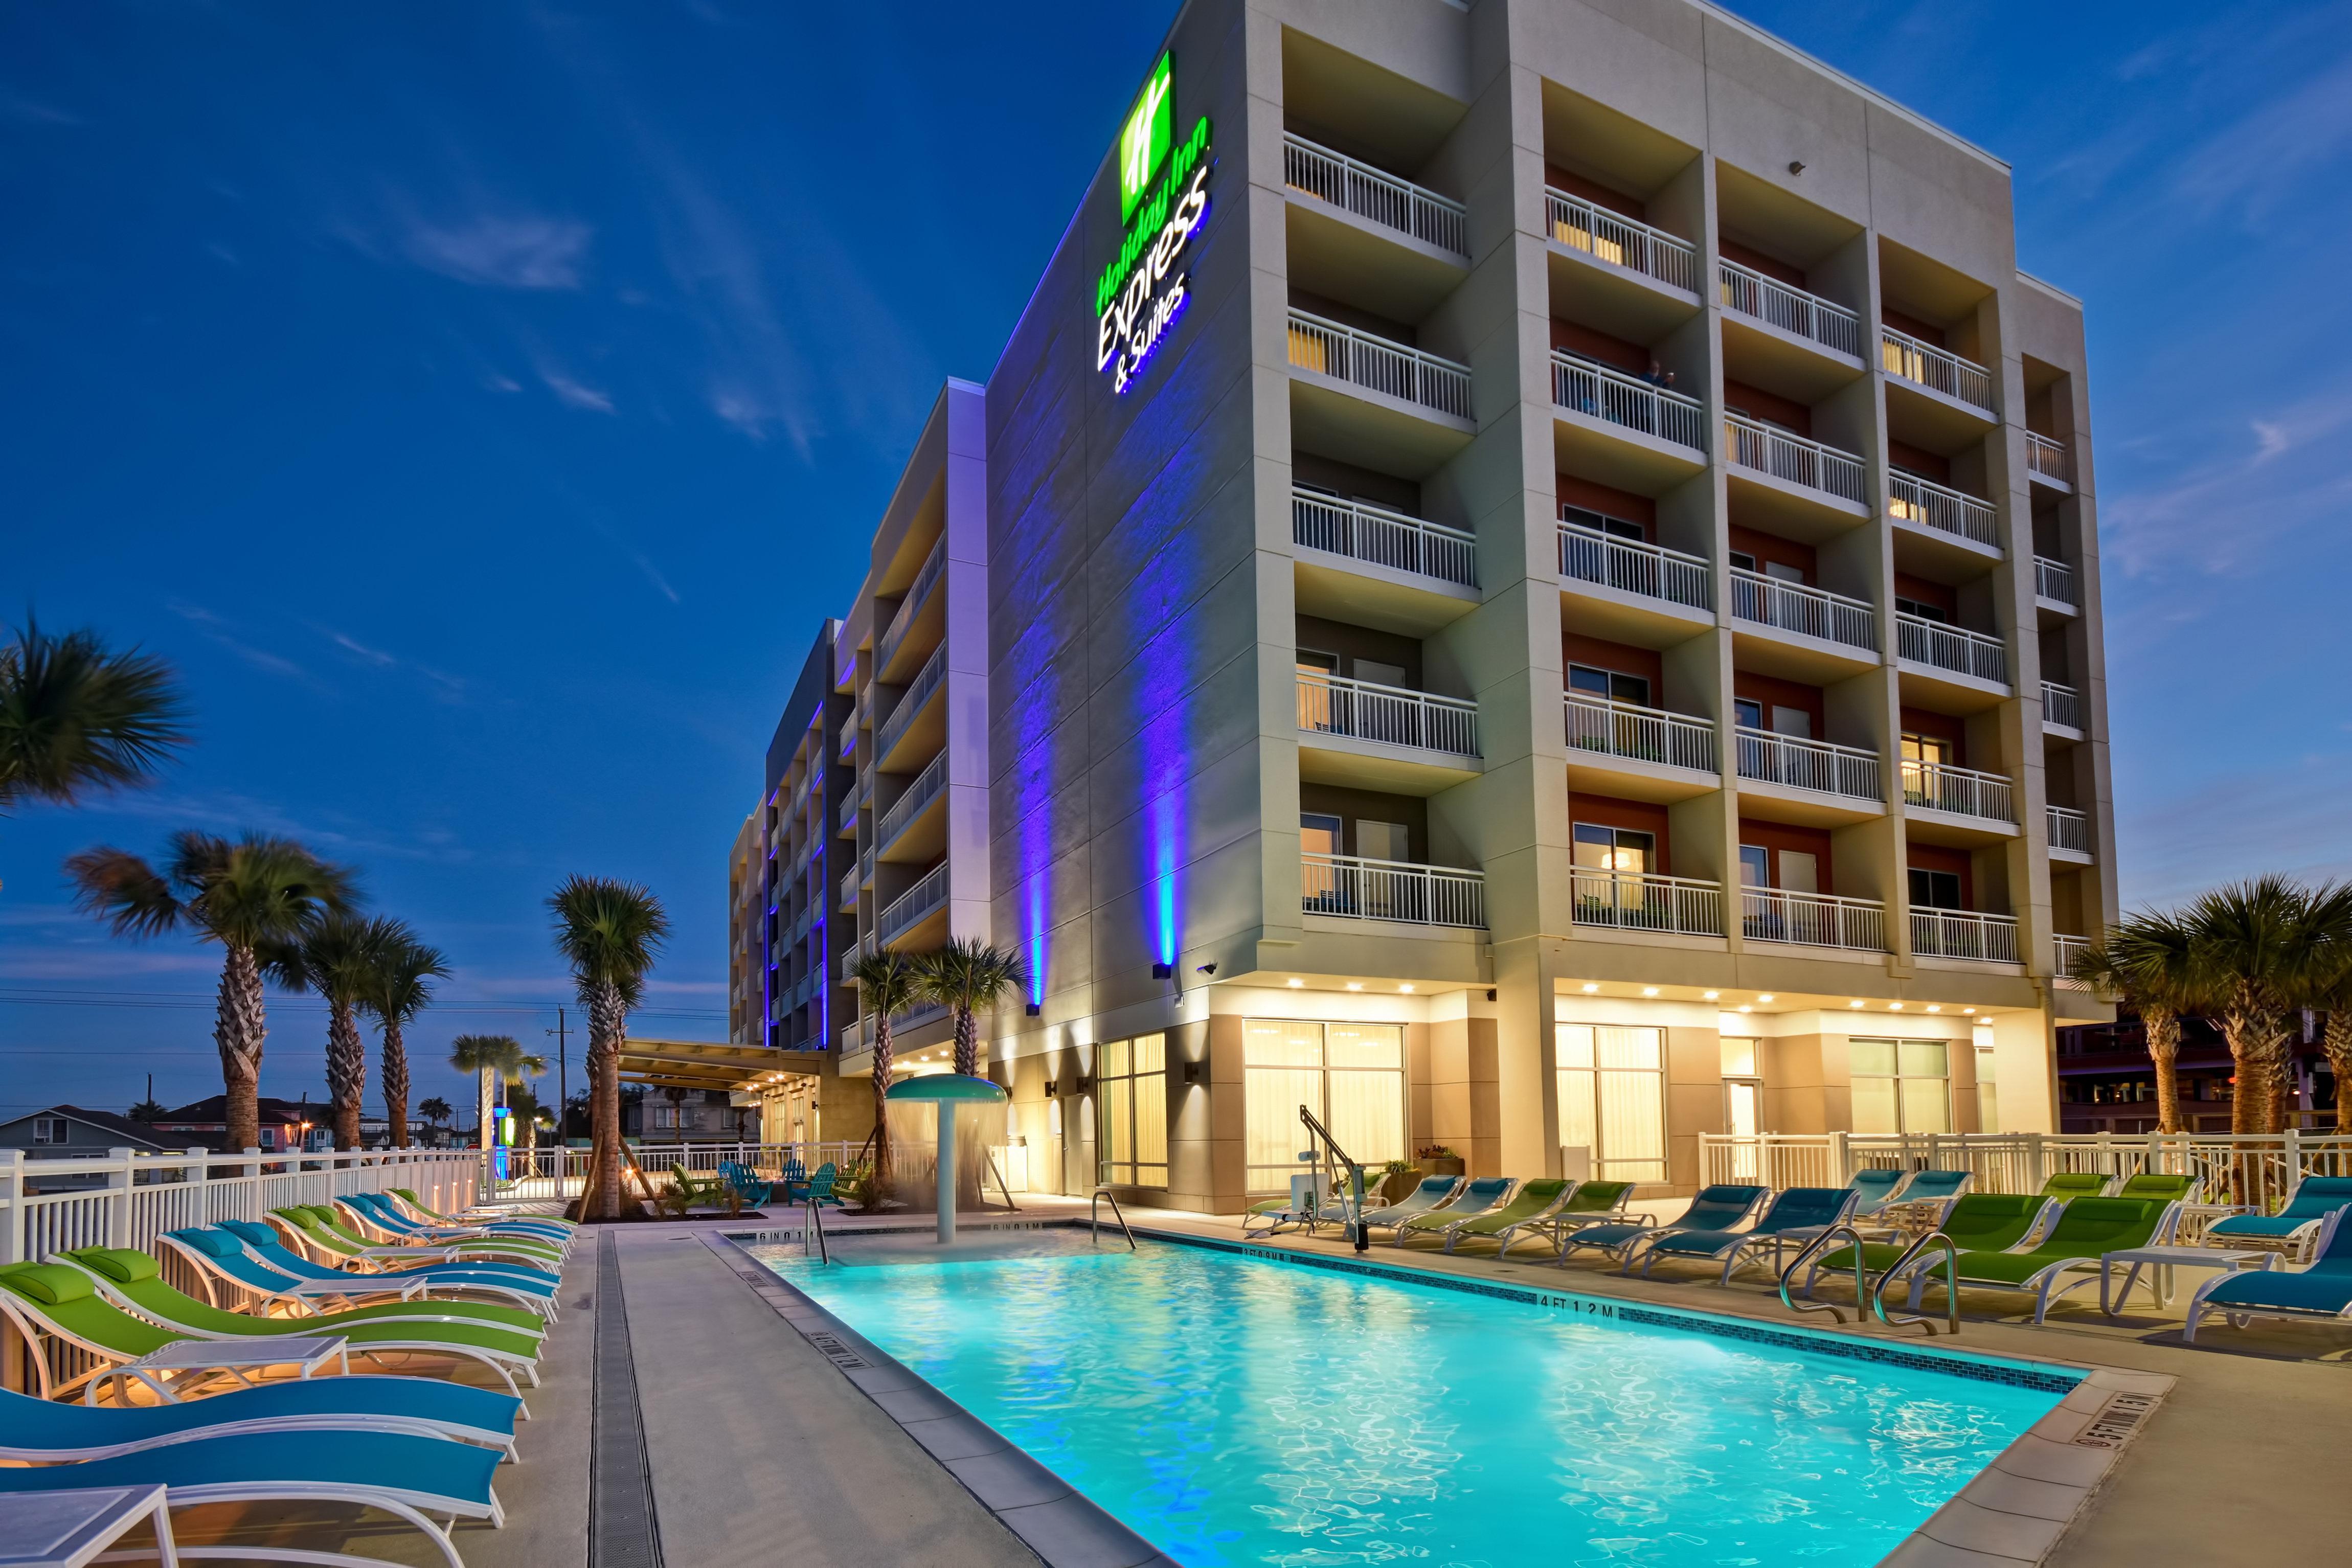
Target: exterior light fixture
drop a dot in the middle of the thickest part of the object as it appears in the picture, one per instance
(1163, 971)
(1895, 1007)
(1354, 984)
(1853, 1004)
(1708, 996)
(1935, 1007)
(1206, 970)
(1765, 997)
(1589, 988)
(1296, 982)
(1405, 990)
(1034, 1009)
(1649, 991)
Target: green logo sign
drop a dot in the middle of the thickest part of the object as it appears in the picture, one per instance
(1144, 140)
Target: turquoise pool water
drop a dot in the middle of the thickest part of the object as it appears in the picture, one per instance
(1240, 1410)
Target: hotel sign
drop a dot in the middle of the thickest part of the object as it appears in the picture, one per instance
(1162, 201)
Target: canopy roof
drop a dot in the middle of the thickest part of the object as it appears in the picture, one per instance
(706, 1064)
(935, 1086)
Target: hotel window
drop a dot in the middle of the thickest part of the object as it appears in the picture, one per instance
(1611, 1083)
(1620, 850)
(662, 1116)
(1350, 1075)
(1934, 889)
(1602, 523)
(1921, 754)
(1131, 1089)
(1922, 609)
(1612, 684)
(1900, 1085)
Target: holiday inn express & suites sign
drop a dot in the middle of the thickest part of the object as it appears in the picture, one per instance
(1163, 202)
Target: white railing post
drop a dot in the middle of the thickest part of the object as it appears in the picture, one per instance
(1842, 1157)
(12, 1196)
(117, 1201)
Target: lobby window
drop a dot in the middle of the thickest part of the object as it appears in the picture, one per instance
(1613, 1098)
(1350, 1075)
(1900, 1085)
(1131, 1087)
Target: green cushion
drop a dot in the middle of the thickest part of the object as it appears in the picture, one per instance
(118, 1262)
(48, 1283)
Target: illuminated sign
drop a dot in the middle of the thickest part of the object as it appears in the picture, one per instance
(1163, 199)
(1143, 140)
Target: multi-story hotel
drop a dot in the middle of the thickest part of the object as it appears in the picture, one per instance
(1526, 581)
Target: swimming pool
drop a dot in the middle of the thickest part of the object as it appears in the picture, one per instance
(1239, 1410)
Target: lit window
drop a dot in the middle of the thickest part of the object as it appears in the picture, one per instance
(1900, 1085)
(1349, 1075)
(1131, 1096)
(1613, 1098)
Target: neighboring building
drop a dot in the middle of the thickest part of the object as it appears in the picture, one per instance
(69, 1132)
(747, 871)
(285, 1123)
(1528, 581)
(2106, 1083)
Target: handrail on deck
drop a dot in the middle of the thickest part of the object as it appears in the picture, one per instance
(1094, 1215)
(1334, 1156)
(1820, 1244)
(1951, 1286)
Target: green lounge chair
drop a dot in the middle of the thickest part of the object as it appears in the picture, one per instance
(1797, 1212)
(2321, 1292)
(1978, 1222)
(2163, 1185)
(2087, 1228)
(2070, 1185)
(511, 1248)
(267, 1244)
(1591, 1203)
(136, 1278)
(1530, 1203)
(303, 1226)
(1426, 1194)
(1476, 1198)
(699, 1190)
(47, 1431)
(225, 1270)
(554, 1223)
(2308, 1206)
(1724, 1206)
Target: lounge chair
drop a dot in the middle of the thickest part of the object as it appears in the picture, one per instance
(379, 1214)
(49, 1431)
(539, 1253)
(402, 1474)
(1977, 1222)
(1875, 1188)
(2087, 1230)
(1592, 1203)
(1532, 1202)
(416, 1206)
(2161, 1185)
(1426, 1194)
(1928, 1194)
(267, 1244)
(1799, 1211)
(224, 1268)
(698, 1190)
(1724, 1206)
(2070, 1185)
(820, 1187)
(1475, 1198)
(2294, 1227)
(2321, 1292)
(793, 1178)
(303, 1226)
(749, 1187)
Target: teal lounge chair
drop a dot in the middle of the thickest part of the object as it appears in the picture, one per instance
(2321, 1292)
(2087, 1230)
(50, 1431)
(1476, 1198)
(2292, 1228)
(1426, 1194)
(1799, 1211)
(1977, 1222)
(1931, 1193)
(820, 1187)
(219, 1261)
(746, 1182)
(262, 1244)
(379, 1214)
(1725, 1206)
(1876, 1187)
(416, 1205)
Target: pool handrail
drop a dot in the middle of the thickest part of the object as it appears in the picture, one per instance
(1951, 1285)
(1821, 1244)
(1094, 1215)
(1333, 1157)
(816, 1227)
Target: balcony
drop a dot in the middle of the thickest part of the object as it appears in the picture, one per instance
(1378, 537)
(928, 786)
(1621, 241)
(2049, 460)
(1960, 934)
(1961, 379)
(2061, 708)
(1821, 767)
(1652, 572)
(1793, 458)
(2070, 831)
(1387, 715)
(1811, 919)
(849, 962)
(916, 698)
(848, 890)
(2054, 581)
(1913, 499)
(847, 739)
(1392, 370)
(910, 908)
(1793, 310)
(2069, 949)
(847, 821)
(1808, 612)
(1375, 196)
(1961, 791)
(1640, 734)
(1955, 648)
(1631, 901)
(911, 611)
(1587, 387)
(1352, 888)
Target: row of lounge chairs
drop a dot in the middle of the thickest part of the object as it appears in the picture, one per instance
(401, 1285)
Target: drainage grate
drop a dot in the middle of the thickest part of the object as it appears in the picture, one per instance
(2116, 1423)
(622, 1531)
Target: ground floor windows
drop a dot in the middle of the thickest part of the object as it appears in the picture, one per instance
(1613, 1098)
(1131, 1087)
(1900, 1085)
(1351, 1076)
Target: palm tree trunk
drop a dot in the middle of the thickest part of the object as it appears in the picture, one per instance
(881, 1107)
(2336, 1041)
(395, 1083)
(2249, 1095)
(2163, 1030)
(239, 1026)
(607, 1026)
(346, 1071)
(967, 1042)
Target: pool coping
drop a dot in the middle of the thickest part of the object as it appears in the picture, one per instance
(2010, 1514)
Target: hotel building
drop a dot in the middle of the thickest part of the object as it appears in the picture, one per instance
(1526, 580)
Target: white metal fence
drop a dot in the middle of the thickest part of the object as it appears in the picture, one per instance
(1791, 310)
(1590, 554)
(1947, 647)
(551, 1175)
(1811, 919)
(1393, 716)
(1794, 607)
(1964, 933)
(1331, 348)
(1641, 734)
(1931, 367)
(920, 691)
(1646, 902)
(1375, 194)
(1621, 241)
(2049, 458)
(1359, 889)
(1785, 455)
(2062, 705)
(2054, 581)
(1586, 386)
(1941, 507)
(908, 908)
(2069, 829)
(1804, 764)
(1368, 533)
(1965, 791)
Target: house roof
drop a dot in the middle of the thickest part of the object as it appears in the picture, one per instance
(212, 1111)
(135, 1134)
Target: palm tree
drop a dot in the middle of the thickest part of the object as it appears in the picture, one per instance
(2253, 949)
(257, 894)
(492, 1060)
(888, 982)
(608, 932)
(398, 989)
(2148, 960)
(337, 957)
(77, 717)
(435, 1111)
(968, 978)
(2331, 921)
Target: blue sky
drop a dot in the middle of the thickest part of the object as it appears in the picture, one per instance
(481, 403)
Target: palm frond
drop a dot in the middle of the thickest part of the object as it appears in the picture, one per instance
(401, 983)
(124, 891)
(609, 932)
(889, 981)
(77, 717)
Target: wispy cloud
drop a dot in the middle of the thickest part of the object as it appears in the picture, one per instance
(2281, 472)
(2267, 158)
(446, 687)
(501, 250)
(2293, 818)
(572, 393)
(654, 575)
(218, 629)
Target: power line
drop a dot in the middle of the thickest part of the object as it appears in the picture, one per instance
(201, 1001)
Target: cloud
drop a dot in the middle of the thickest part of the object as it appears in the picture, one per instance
(501, 251)
(576, 394)
(2269, 157)
(2224, 513)
(2295, 818)
(451, 688)
(105, 959)
(217, 629)
(373, 655)
(654, 575)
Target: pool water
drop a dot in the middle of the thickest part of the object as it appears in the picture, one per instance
(1235, 1410)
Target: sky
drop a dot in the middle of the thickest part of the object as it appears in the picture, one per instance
(481, 403)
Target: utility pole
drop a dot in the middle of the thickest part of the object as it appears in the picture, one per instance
(563, 1081)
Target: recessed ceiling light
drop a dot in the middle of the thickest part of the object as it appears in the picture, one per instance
(1406, 990)
(1354, 984)
(1649, 991)
(1935, 1007)
(1745, 1009)
(1765, 997)
(1966, 1011)
(1853, 1004)
(1296, 982)
(1895, 1007)
(1709, 996)
(1589, 988)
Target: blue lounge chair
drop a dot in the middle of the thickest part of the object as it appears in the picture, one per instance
(1800, 1212)
(794, 1179)
(50, 1431)
(1428, 1194)
(2321, 1292)
(1933, 1193)
(2292, 1228)
(820, 1187)
(1724, 1206)
(261, 1242)
(386, 1217)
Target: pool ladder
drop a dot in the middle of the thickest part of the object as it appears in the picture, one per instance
(1874, 1298)
(815, 1228)
(1094, 1215)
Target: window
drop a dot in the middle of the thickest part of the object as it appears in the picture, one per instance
(1319, 835)
(1746, 714)
(1934, 889)
(662, 1116)
(1900, 1085)
(1922, 754)
(1350, 1075)
(1742, 562)
(48, 1129)
(1601, 522)
(1613, 1098)
(1922, 609)
(1755, 866)
(1617, 850)
(1132, 1091)
(1610, 683)
(1987, 1102)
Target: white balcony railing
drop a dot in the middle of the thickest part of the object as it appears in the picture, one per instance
(1931, 367)
(919, 691)
(849, 962)
(1639, 901)
(2049, 458)
(1960, 934)
(2069, 829)
(920, 793)
(1790, 309)
(1586, 386)
(848, 817)
(1955, 648)
(2062, 705)
(1758, 446)
(1640, 734)
(1590, 554)
(1964, 791)
(1358, 889)
(907, 910)
(1621, 241)
(1793, 607)
(1943, 508)
(1811, 919)
(1375, 194)
(1393, 716)
(917, 592)
(1368, 533)
(2070, 948)
(847, 738)
(2054, 581)
(1329, 349)
(849, 888)
(1820, 766)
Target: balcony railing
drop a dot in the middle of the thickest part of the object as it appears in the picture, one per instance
(934, 566)
(2069, 829)
(1793, 607)
(1375, 194)
(2062, 705)
(1960, 933)
(1640, 734)
(1587, 387)
(1392, 716)
(920, 793)
(849, 962)
(848, 819)
(906, 911)
(1940, 508)
(1790, 309)
(1931, 367)
(1329, 349)
(847, 739)
(2055, 580)
(2049, 458)
(1641, 902)
(1374, 534)
(1358, 889)
(849, 888)
(1590, 554)
(2070, 948)
(1757, 446)
(1820, 766)
(1621, 241)
(1811, 919)
(919, 692)
(1953, 648)
(1965, 791)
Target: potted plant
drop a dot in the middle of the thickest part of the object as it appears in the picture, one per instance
(1439, 1160)
(1399, 1177)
